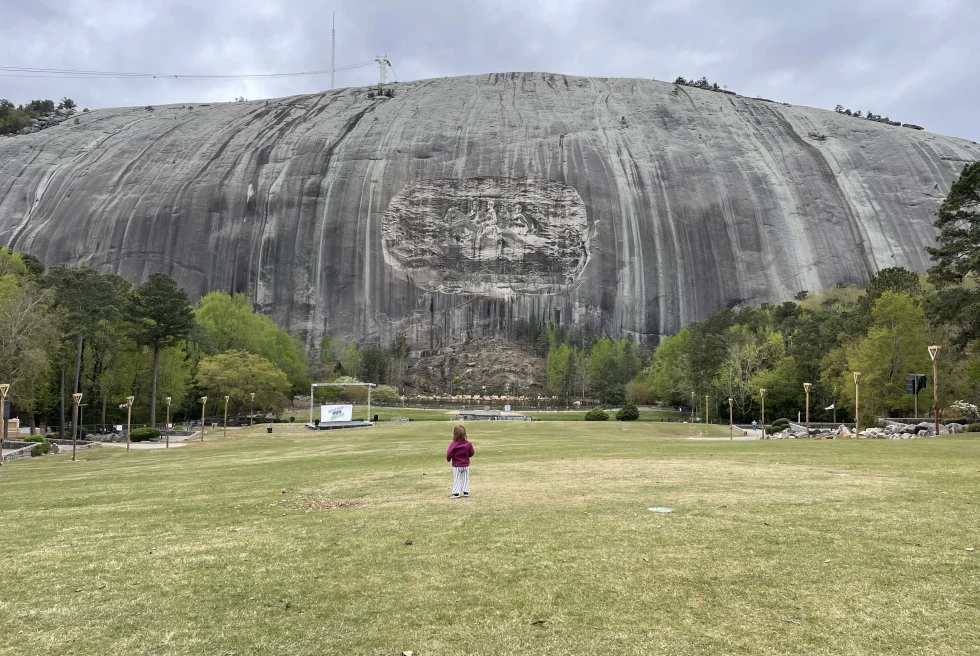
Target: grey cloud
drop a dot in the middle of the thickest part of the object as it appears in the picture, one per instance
(915, 60)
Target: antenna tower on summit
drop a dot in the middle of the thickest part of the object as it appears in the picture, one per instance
(333, 50)
(383, 64)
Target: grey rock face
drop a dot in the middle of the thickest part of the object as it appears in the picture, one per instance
(461, 205)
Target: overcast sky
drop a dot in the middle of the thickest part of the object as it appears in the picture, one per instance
(917, 61)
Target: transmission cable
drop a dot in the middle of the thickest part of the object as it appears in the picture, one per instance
(31, 72)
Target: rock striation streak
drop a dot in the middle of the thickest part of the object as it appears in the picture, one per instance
(459, 206)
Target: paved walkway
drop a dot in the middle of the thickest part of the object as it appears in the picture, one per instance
(175, 441)
(146, 446)
(753, 435)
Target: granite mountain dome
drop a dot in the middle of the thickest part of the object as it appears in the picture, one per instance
(462, 204)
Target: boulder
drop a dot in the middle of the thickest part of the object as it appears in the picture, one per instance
(956, 428)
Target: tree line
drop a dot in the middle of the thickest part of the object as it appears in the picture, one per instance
(65, 330)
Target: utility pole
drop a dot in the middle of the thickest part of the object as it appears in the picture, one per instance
(857, 403)
(204, 403)
(730, 422)
(762, 393)
(76, 399)
(806, 388)
(129, 419)
(4, 389)
(934, 354)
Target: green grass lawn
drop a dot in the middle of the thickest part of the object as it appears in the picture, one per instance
(295, 543)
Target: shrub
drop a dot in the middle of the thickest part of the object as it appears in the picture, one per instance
(596, 414)
(973, 428)
(628, 412)
(41, 445)
(385, 394)
(144, 434)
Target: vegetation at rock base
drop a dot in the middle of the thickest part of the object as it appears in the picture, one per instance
(238, 375)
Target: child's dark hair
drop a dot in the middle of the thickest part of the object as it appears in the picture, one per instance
(459, 433)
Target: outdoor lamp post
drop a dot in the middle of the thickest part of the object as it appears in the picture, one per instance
(730, 422)
(204, 403)
(4, 388)
(806, 388)
(857, 403)
(762, 393)
(167, 425)
(76, 398)
(226, 417)
(934, 353)
(129, 419)
(705, 409)
(692, 407)
(251, 416)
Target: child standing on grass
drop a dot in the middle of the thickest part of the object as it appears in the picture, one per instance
(459, 453)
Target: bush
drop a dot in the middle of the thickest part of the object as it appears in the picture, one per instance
(973, 428)
(385, 394)
(41, 446)
(596, 414)
(628, 412)
(144, 434)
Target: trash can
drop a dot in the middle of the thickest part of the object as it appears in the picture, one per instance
(269, 428)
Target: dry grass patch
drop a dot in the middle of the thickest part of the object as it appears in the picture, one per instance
(578, 483)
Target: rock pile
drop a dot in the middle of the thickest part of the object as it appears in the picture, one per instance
(886, 430)
(799, 432)
(45, 121)
(896, 430)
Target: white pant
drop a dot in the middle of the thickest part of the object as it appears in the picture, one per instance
(461, 480)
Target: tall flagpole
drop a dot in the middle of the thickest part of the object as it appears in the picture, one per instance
(333, 50)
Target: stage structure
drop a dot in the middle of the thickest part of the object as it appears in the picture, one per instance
(347, 424)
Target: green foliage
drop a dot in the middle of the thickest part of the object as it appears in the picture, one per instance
(780, 424)
(894, 345)
(143, 434)
(42, 446)
(160, 312)
(238, 374)
(596, 414)
(628, 412)
(352, 362)
(374, 364)
(230, 323)
(385, 394)
(30, 332)
(12, 119)
(638, 391)
(973, 428)
(957, 252)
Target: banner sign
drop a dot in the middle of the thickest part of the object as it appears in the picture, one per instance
(330, 413)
